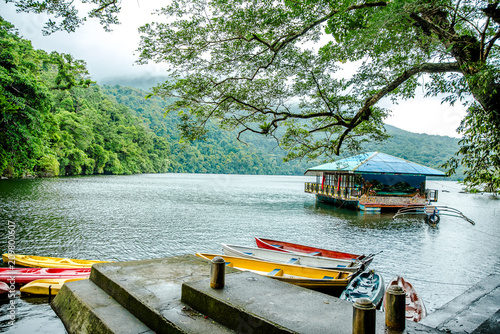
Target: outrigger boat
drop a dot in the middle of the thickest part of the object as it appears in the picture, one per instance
(332, 282)
(433, 212)
(415, 308)
(369, 284)
(47, 287)
(295, 258)
(283, 246)
(26, 275)
(48, 262)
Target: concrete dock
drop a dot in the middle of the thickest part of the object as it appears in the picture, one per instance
(475, 311)
(173, 295)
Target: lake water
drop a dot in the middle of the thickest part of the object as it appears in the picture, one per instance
(121, 218)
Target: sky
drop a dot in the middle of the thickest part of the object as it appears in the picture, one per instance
(113, 54)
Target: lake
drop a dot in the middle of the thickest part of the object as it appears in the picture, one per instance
(120, 218)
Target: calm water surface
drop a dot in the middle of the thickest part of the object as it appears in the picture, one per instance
(121, 218)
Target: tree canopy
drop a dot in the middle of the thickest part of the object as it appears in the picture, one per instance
(278, 68)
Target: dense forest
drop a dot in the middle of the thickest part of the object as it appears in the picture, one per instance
(54, 121)
(219, 152)
(428, 150)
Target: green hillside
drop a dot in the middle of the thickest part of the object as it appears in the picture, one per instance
(425, 149)
(53, 122)
(429, 150)
(219, 152)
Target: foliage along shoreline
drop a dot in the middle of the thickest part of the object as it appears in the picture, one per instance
(55, 122)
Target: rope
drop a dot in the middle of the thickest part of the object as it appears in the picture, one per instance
(442, 185)
(469, 227)
(429, 281)
(437, 282)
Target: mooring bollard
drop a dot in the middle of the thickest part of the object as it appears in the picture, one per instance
(395, 308)
(217, 272)
(363, 317)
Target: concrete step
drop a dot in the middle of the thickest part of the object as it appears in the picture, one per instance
(151, 291)
(475, 311)
(173, 295)
(146, 292)
(84, 308)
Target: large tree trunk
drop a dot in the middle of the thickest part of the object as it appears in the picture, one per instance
(470, 55)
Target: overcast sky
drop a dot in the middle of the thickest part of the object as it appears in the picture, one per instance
(112, 54)
(108, 54)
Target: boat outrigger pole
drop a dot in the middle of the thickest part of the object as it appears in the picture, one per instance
(433, 212)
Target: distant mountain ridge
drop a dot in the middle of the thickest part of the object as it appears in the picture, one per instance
(260, 153)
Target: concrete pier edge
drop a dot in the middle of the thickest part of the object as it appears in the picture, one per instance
(251, 303)
(85, 308)
(151, 291)
(468, 312)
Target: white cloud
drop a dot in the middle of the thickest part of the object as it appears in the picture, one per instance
(427, 115)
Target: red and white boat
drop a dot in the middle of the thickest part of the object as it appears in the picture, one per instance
(415, 308)
(26, 275)
(4, 288)
(302, 249)
(295, 258)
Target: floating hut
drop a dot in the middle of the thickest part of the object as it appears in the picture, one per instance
(373, 182)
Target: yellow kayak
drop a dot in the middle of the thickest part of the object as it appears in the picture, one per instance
(41, 286)
(48, 262)
(324, 280)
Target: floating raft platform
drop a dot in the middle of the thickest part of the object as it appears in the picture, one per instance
(372, 182)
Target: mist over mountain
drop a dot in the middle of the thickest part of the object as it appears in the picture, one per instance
(140, 82)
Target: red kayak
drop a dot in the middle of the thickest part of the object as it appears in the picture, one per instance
(283, 246)
(415, 308)
(26, 275)
(4, 288)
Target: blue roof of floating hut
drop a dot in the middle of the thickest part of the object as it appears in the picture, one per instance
(376, 163)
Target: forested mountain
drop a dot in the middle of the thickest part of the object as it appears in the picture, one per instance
(219, 152)
(53, 122)
(429, 150)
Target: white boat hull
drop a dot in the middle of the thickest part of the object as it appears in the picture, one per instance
(293, 258)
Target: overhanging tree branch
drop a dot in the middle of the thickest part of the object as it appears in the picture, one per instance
(490, 44)
(255, 56)
(365, 111)
(316, 23)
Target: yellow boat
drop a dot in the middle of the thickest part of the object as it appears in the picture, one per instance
(324, 280)
(47, 262)
(47, 287)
